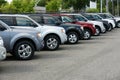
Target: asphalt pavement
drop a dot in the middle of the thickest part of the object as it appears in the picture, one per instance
(95, 59)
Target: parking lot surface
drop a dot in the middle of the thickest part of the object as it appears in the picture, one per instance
(95, 59)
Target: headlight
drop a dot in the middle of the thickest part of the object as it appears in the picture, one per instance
(63, 30)
(93, 25)
(82, 27)
(1, 41)
(38, 35)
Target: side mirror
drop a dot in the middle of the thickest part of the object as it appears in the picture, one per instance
(2, 28)
(74, 21)
(34, 25)
(58, 23)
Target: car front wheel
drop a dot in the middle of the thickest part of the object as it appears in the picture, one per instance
(52, 42)
(23, 50)
(97, 31)
(118, 24)
(87, 34)
(72, 37)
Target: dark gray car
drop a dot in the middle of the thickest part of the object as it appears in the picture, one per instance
(20, 42)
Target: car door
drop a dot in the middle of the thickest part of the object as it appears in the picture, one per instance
(23, 22)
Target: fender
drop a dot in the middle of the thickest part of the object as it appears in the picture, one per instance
(21, 36)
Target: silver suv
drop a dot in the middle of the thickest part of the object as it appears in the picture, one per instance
(2, 50)
(53, 36)
(21, 43)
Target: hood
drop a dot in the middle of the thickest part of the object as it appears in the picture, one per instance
(95, 22)
(52, 27)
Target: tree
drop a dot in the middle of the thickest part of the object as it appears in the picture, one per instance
(2, 2)
(19, 6)
(76, 4)
(53, 5)
(42, 3)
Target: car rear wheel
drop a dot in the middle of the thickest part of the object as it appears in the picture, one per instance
(24, 50)
(72, 37)
(87, 34)
(52, 42)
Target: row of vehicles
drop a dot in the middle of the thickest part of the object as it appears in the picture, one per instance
(23, 34)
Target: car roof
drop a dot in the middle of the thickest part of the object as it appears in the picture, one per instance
(14, 15)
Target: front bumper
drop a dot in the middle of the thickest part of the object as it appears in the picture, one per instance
(2, 53)
(81, 34)
(63, 38)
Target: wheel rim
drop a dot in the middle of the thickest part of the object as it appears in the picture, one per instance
(24, 50)
(110, 28)
(97, 31)
(86, 35)
(72, 38)
(52, 43)
(118, 24)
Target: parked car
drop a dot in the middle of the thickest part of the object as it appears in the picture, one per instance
(104, 16)
(2, 50)
(89, 29)
(74, 32)
(20, 42)
(53, 36)
(107, 23)
(98, 25)
(115, 18)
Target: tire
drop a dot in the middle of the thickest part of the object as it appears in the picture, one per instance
(105, 30)
(97, 31)
(87, 34)
(72, 37)
(24, 50)
(110, 28)
(52, 42)
(118, 24)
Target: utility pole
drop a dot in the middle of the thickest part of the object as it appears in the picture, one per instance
(118, 7)
(101, 5)
(107, 6)
(112, 7)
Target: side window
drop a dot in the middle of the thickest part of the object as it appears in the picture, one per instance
(49, 20)
(7, 19)
(37, 19)
(22, 21)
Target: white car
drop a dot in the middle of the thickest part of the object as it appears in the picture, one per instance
(110, 20)
(2, 50)
(53, 36)
(116, 18)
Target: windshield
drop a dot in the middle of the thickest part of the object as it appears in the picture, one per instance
(66, 19)
(89, 17)
(104, 16)
(80, 18)
(96, 17)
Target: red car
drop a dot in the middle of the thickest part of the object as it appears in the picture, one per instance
(89, 28)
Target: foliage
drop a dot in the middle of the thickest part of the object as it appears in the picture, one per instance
(92, 10)
(42, 3)
(2, 2)
(53, 5)
(18, 6)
